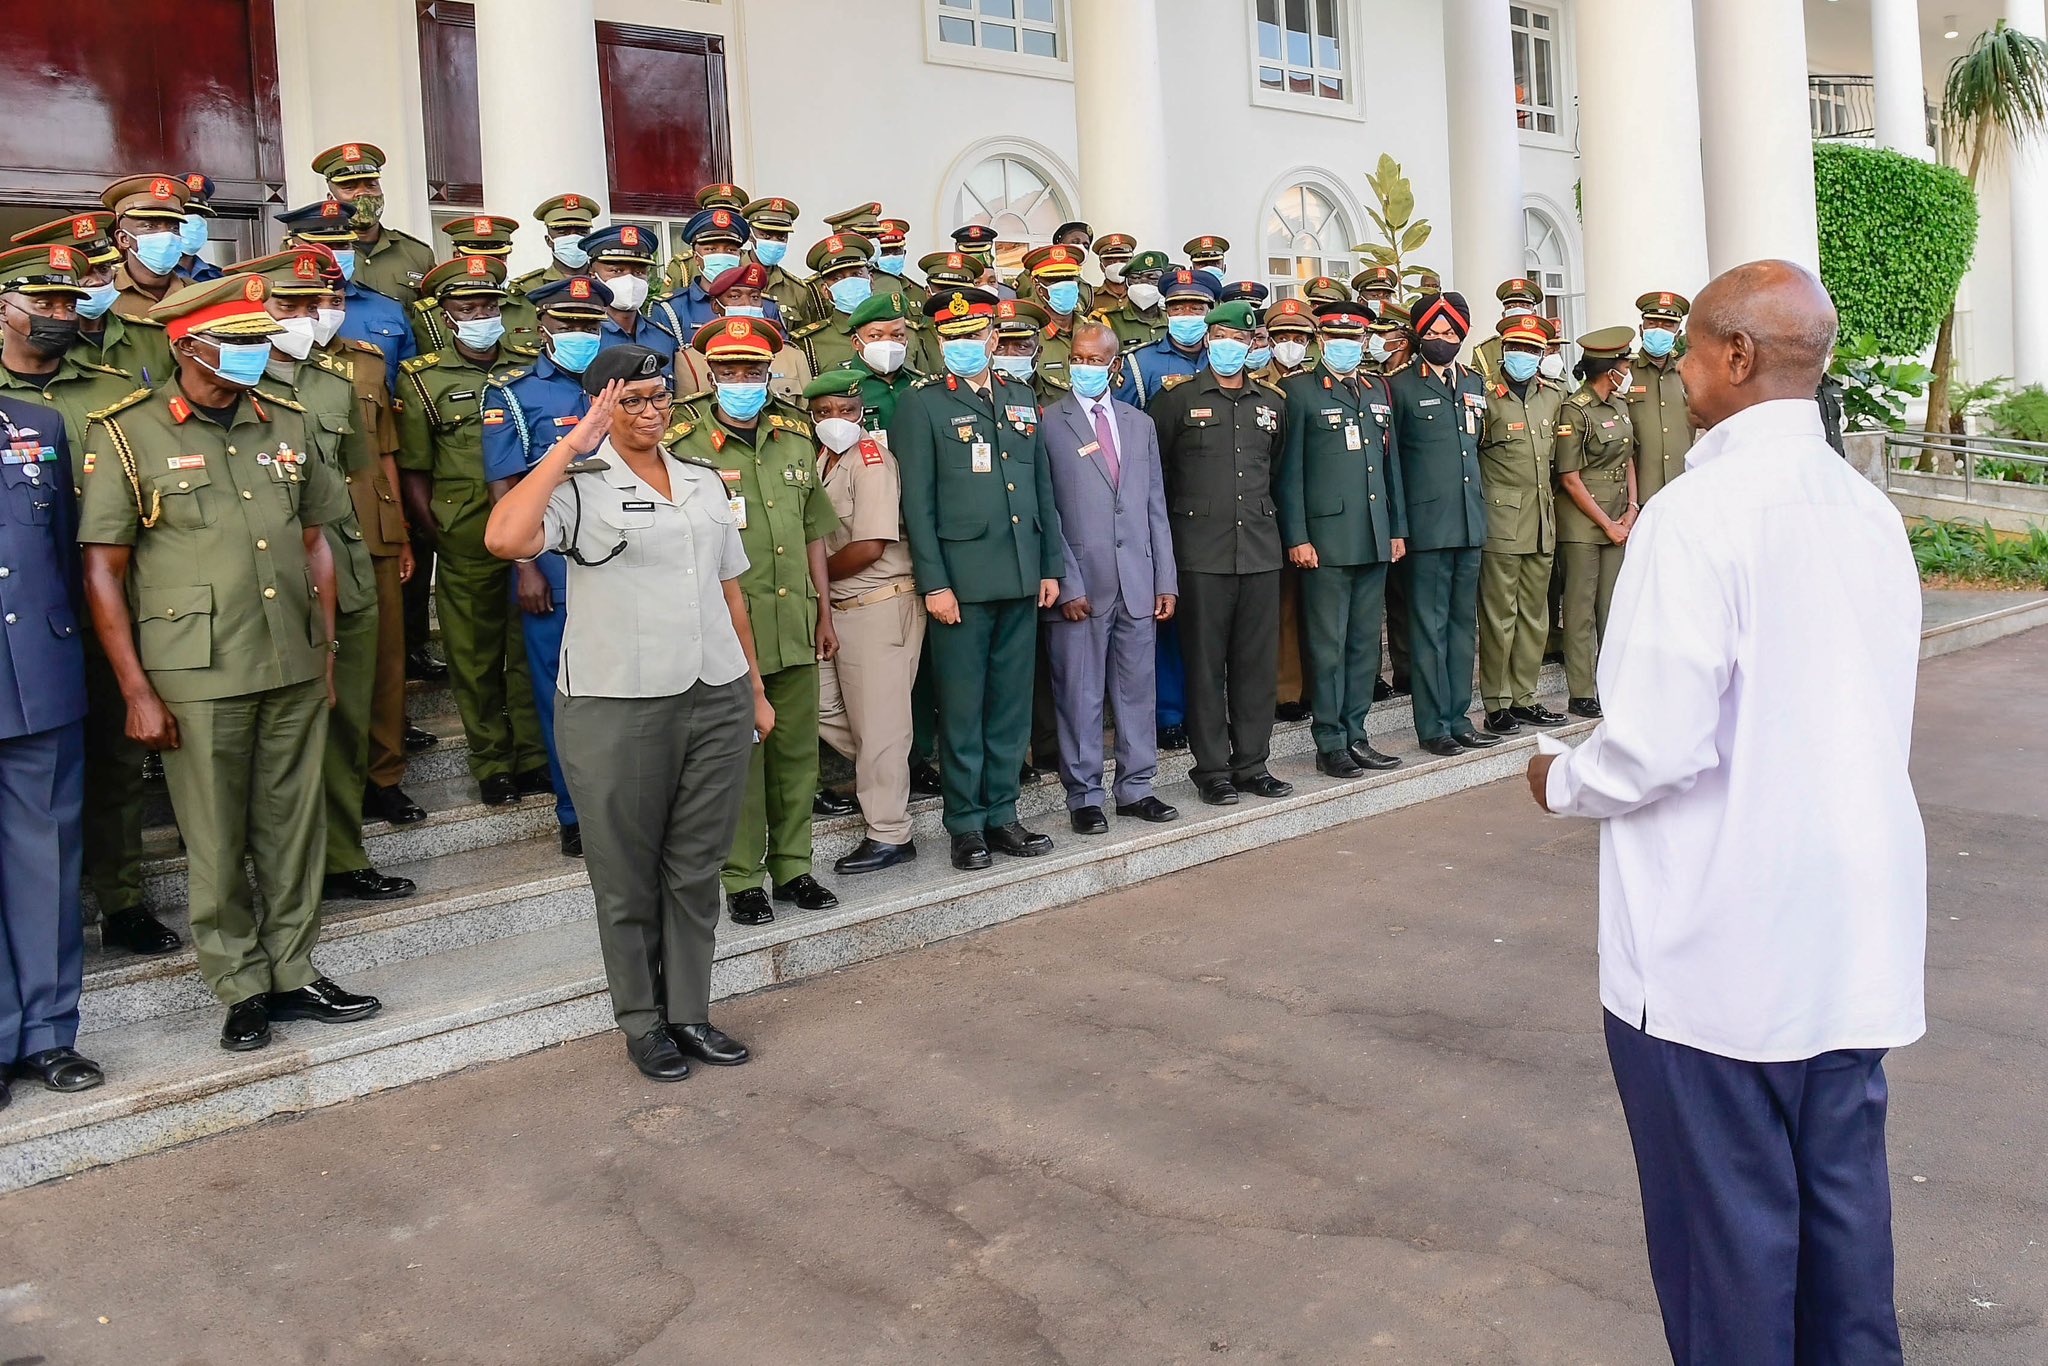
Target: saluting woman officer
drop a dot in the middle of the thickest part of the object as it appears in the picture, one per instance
(657, 699)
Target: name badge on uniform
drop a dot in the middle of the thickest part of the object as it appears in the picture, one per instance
(198, 462)
(1352, 440)
(1090, 448)
(1518, 426)
(737, 504)
(1428, 402)
(636, 507)
(984, 457)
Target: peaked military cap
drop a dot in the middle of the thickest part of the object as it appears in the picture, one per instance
(892, 232)
(1246, 291)
(950, 268)
(621, 242)
(201, 187)
(861, 218)
(1529, 328)
(579, 296)
(308, 269)
(1662, 304)
(976, 239)
(1342, 318)
(1324, 287)
(350, 161)
(465, 276)
(51, 268)
(1291, 315)
(147, 196)
(1206, 248)
(1376, 277)
(1186, 283)
(87, 232)
(1020, 318)
(773, 213)
(838, 251)
(1054, 262)
(566, 211)
(482, 234)
(959, 310)
(326, 220)
(1392, 317)
(722, 195)
(1115, 246)
(737, 339)
(1519, 291)
(881, 305)
(718, 225)
(1607, 343)
(231, 306)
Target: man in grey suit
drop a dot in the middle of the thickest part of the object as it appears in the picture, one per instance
(1119, 584)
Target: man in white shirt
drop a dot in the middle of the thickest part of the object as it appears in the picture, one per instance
(1763, 871)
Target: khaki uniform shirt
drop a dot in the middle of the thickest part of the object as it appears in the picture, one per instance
(136, 346)
(1514, 466)
(394, 264)
(327, 392)
(1598, 441)
(1656, 404)
(76, 389)
(866, 490)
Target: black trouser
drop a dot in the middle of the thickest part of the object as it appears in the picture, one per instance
(1230, 642)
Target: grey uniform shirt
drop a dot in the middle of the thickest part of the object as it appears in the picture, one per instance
(651, 621)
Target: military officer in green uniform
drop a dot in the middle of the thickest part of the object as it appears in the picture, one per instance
(882, 333)
(1376, 287)
(212, 589)
(684, 268)
(566, 219)
(892, 263)
(1521, 527)
(1596, 476)
(985, 546)
(844, 281)
(1139, 319)
(480, 234)
(1113, 253)
(1207, 252)
(763, 450)
(1344, 522)
(148, 212)
(1055, 273)
(1291, 324)
(1656, 395)
(1517, 296)
(773, 219)
(441, 460)
(134, 346)
(389, 261)
(1020, 333)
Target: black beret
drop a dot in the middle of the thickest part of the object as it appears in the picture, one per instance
(626, 361)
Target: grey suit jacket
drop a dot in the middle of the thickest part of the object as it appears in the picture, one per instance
(1118, 542)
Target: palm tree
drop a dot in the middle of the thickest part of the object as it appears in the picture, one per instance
(1996, 100)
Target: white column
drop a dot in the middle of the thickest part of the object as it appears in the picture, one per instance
(543, 120)
(2028, 205)
(1757, 157)
(1486, 155)
(351, 73)
(1640, 190)
(1120, 118)
(1895, 70)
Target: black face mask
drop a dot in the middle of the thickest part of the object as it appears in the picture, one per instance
(49, 337)
(1438, 352)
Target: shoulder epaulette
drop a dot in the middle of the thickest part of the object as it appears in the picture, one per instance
(1173, 382)
(351, 344)
(425, 306)
(808, 328)
(281, 401)
(1583, 398)
(419, 363)
(143, 321)
(679, 429)
(338, 365)
(505, 377)
(115, 407)
(522, 349)
(96, 368)
(790, 424)
(405, 236)
(697, 397)
(703, 462)
(927, 380)
(1269, 386)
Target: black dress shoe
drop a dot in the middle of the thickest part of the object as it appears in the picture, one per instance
(709, 1043)
(656, 1055)
(1502, 722)
(61, 1069)
(829, 803)
(924, 781)
(1149, 809)
(1472, 739)
(872, 856)
(970, 851)
(1217, 792)
(1370, 759)
(6, 1096)
(1029, 774)
(499, 791)
(749, 906)
(1263, 785)
(1013, 839)
(322, 1000)
(424, 667)
(419, 741)
(533, 782)
(393, 805)
(1173, 737)
(366, 884)
(1337, 763)
(1443, 745)
(1401, 687)
(137, 931)
(1381, 690)
(1536, 715)
(1290, 711)
(247, 1027)
(1584, 706)
(1088, 820)
(572, 840)
(807, 892)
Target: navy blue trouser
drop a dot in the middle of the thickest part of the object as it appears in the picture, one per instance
(1766, 1202)
(42, 942)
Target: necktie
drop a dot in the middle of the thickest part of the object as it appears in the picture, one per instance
(1106, 440)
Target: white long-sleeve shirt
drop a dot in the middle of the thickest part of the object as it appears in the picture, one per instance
(1763, 870)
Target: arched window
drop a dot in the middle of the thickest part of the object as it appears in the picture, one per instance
(1549, 265)
(1306, 236)
(1018, 200)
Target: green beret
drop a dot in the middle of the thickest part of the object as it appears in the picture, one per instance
(1147, 260)
(880, 305)
(1236, 313)
(835, 383)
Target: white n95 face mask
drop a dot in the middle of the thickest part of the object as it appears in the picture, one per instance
(884, 357)
(628, 292)
(838, 434)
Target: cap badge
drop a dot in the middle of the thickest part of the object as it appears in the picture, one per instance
(306, 266)
(739, 327)
(331, 209)
(721, 219)
(1664, 299)
(83, 227)
(253, 289)
(579, 288)
(629, 235)
(60, 258)
(959, 306)
(572, 201)
(160, 189)
(476, 267)
(480, 225)
(351, 151)
(835, 243)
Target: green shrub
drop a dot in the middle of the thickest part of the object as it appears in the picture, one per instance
(2022, 414)
(1896, 235)
(1974, 551)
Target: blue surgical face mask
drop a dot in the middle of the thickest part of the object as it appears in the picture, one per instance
(1216, 271)
(745, 311)
(1187, 329)
(241, 363)
(1375, 346)
(742, 402)
(345, 257)
(1016, 367)
(851, 292)
(192, 235)
(965, 356)
(1227, 355)
(892, 263)
(1260, 358)
(98, 300)
(480, 334)
(1658, 341)
(1064, 296)
(159, 251)
(770, 253)
(1090, 381)
(718, 263)
(573, 351)
(569, 251)
(1520, 366)
(1342, 354)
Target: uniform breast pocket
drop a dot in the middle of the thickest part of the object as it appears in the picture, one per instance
(174, 627)
(329, 431)
(186, 504)
(1504, 498)
(29, 502)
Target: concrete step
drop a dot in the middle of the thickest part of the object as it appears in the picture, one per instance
(513, 992)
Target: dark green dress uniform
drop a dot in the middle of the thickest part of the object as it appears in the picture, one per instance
(233, 640)
(978, 511)
(1596, 441)
(1220, 449)
(1521, 530)
(1656, 398)
(1340, 491)
(478, 235)
(441, 436)
(771, 481)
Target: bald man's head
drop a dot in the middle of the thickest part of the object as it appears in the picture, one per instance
(1761, 331)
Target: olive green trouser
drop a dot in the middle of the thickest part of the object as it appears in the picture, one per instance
(347, 761)
(1589, 575)
(245, 779)
(387, 693)
(113, 792)
(487, 665)
(782, 778)
(1514, 609)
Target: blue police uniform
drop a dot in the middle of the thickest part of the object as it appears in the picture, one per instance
(379, 320)
(524, 415)
(647, 332)
(695, 308)
(201, 271)
(1159, 361)
(42, 736)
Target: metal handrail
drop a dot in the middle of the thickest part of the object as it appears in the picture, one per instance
(1966, 451)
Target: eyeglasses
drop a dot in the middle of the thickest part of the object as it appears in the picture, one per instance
(640, 403)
